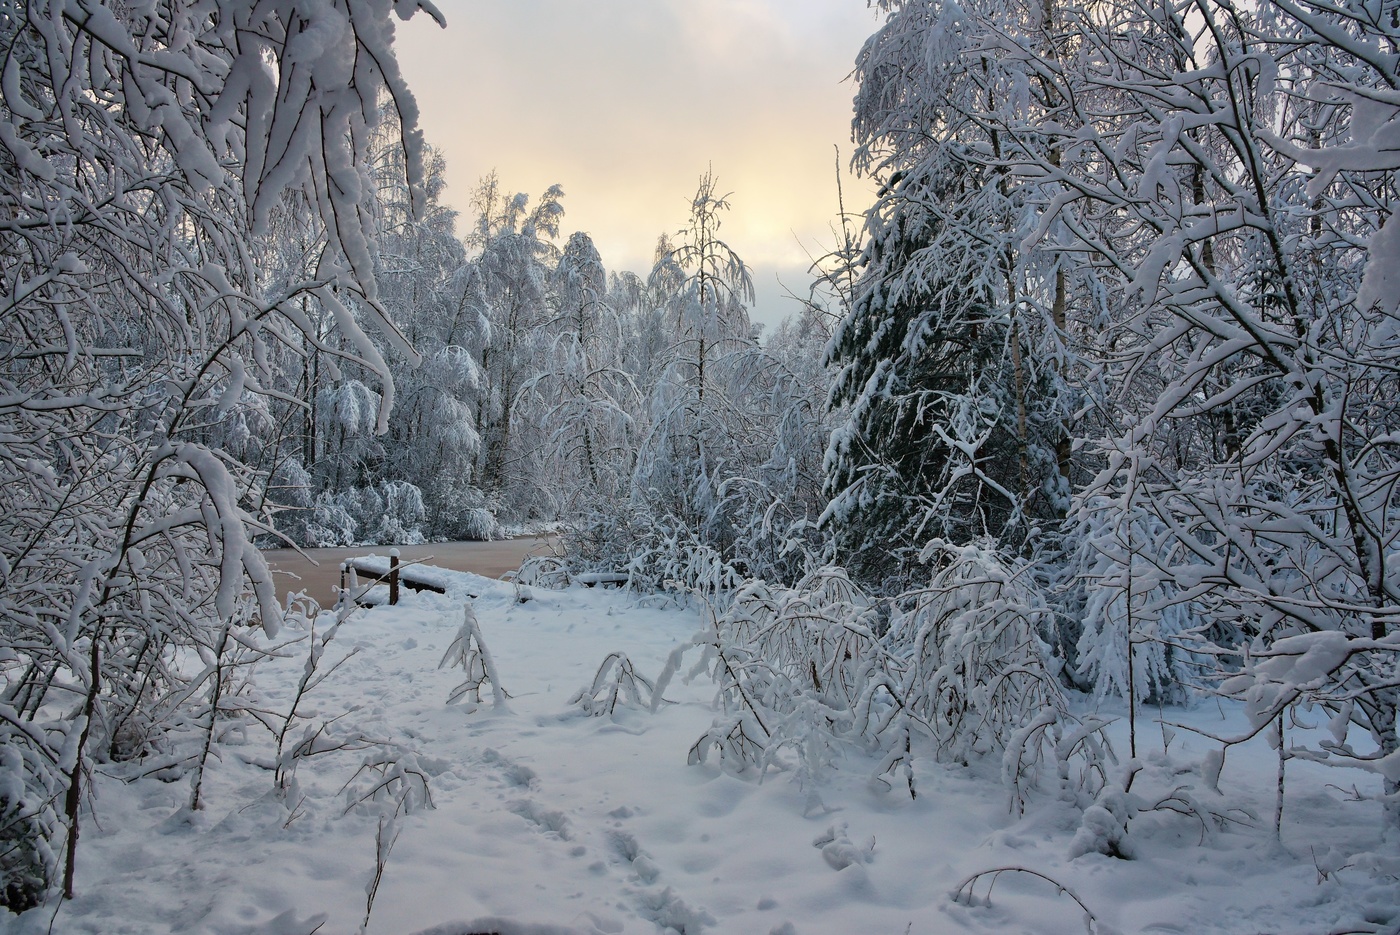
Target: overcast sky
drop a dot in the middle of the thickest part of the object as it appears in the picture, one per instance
(626, 102)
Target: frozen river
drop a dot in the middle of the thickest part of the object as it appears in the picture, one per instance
(318, 570)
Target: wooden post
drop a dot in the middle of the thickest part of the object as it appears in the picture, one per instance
(340, 598)
(393, 576)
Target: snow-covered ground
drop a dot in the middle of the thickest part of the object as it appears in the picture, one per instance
(546, 820)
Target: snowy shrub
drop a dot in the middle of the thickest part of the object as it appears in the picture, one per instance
(317, 737)
(671, 558)
(1132, 603)
(1103, 828)
(548, 569)
(389, 775)
(457, 511)
(468, 651)
(773, 537)
(331, 524)
(768, 687)
(752, 695)
(1213, 404)
(657, 553)
(27, 859)
(135, 461)
(476, 524)
(821, 631)
(978, 667)
(1346, 679)
(23, 867)
(400, 515)
(616, 682)
(962, 666)
(604, 540)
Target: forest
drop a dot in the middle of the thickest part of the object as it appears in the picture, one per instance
(1096, 407)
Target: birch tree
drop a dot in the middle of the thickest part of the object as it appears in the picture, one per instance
(705, 289)
(506, 285)
(584, 396)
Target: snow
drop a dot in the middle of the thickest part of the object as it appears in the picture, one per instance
(429, 575)
(546, 821)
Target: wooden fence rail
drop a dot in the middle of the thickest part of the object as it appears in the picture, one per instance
(398, 574)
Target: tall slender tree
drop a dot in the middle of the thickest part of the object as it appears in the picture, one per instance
(706, 289)
(506, 285)
(584, 397)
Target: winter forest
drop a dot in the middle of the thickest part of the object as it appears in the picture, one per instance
(1054, 539)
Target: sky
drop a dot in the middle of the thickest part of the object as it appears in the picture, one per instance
(626, 103)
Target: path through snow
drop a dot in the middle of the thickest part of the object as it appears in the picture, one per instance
(551, 822)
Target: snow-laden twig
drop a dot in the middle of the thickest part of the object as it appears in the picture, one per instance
(468, 650)
(965, 893)
(626, 687)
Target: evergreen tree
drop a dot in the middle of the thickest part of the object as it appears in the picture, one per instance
(929, 446)
(954, 358)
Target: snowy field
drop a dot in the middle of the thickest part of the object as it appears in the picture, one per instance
(547, 821)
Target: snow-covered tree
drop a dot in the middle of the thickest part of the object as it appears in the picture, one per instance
(952, 357)
(928, 445)
(705, 288)
(584, 395)
(777, 498)
(433, 440)
(1230, 172)
(142, 150)
(506, 289)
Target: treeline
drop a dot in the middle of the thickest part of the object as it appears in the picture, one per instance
(548, 390)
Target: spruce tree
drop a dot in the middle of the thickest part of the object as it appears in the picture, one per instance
(929, 446)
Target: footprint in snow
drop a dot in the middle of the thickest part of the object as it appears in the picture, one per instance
(629, 850)
(549, 821)
(512, 773)
(522, 777)
(669, 911)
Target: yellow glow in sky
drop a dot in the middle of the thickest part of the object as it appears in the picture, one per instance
(625, 103)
